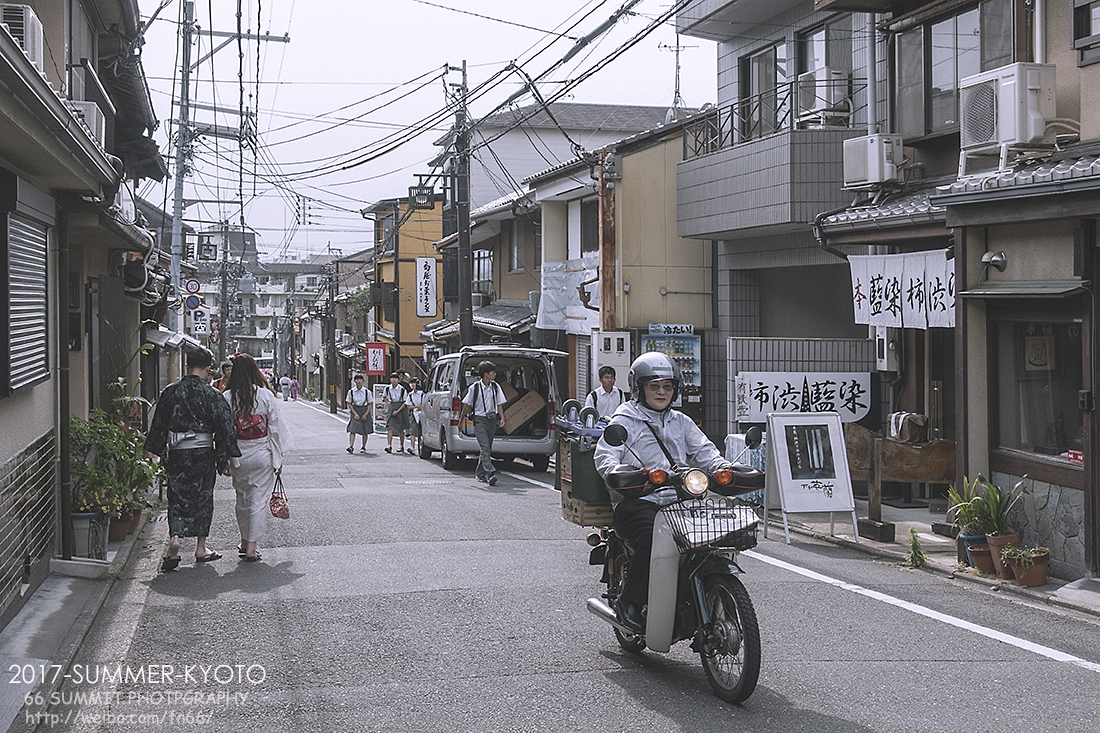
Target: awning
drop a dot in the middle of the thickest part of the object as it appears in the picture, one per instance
(1028, 289)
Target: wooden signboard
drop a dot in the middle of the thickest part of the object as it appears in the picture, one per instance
(807, 468)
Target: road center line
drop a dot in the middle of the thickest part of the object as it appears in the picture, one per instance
(1015, 641)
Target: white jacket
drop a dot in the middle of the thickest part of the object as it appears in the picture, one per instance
(680, 435)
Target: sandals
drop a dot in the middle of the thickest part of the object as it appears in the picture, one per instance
(170, 563)
(208, 557)
(252, 558)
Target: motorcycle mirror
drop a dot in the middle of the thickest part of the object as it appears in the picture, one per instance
(614, 435)
(753, 437)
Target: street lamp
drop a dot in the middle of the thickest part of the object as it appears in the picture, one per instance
(421, 196)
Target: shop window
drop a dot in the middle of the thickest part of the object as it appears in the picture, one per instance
(1086, 31)
(1038, 367)
(932, 58)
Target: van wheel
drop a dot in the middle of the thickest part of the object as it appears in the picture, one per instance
(424, 451)
(450, 460)
(541, 463)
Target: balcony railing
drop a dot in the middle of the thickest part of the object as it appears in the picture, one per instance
(790, 106)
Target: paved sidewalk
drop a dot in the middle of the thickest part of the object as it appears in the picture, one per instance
(940, 552)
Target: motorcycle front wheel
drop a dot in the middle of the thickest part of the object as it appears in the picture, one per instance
(731, 649)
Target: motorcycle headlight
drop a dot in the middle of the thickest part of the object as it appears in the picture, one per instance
(696, 482)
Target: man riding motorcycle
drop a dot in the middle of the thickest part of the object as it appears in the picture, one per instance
(658, 437)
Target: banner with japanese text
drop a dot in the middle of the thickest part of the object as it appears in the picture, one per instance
(760, 393)
(914, 290)
(560, 305)
(426, 287)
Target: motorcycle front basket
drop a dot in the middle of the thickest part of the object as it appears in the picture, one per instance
(710, 523)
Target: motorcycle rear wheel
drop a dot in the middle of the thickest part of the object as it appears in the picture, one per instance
(731, 652)
(616, 572)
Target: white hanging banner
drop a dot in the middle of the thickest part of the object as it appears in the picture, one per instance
(915, 290)
(425, 287)
(940, 286)
(913, 313)
(860, 303)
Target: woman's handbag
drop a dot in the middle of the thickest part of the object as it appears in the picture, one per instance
(280, 507)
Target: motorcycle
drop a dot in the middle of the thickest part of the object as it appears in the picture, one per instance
(694, 591)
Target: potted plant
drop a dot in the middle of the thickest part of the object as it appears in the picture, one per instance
(110, 469)
(982, 558)
(1029, 564)
(968, 511)
(994, 510)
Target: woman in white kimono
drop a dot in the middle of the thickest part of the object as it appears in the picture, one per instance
(262, 437)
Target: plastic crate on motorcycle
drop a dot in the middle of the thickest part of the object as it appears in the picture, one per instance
(584, 498)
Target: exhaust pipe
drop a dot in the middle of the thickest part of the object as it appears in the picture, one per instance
(604, 611)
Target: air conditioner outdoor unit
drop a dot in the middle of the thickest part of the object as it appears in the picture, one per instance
(1006, 106)
(822, 90)
(24, 27)
(872, 160)
(92, 116)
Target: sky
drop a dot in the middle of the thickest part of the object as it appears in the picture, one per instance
(349, 109)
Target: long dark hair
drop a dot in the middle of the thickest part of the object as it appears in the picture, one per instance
(243, 381)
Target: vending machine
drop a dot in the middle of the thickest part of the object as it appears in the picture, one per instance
(685, 347)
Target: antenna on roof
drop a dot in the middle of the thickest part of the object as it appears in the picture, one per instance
(677, 100)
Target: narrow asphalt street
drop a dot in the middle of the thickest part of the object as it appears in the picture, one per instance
(402, 597)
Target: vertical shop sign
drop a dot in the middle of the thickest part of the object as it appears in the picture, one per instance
(425, 287)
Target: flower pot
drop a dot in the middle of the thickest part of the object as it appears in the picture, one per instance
(120, 526)
(135, 520)
(981, 558)
(969, 540)
(1033, 575)
(90, 535)
(996, 544)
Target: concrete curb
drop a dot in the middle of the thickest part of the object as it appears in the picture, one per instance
(74, 639)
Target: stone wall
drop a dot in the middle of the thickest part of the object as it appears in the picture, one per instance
(1051, 516)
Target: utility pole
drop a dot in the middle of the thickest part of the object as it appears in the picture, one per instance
(186, 133)
(224, 300)
(462, 205)
(331, 368)
(183, 157)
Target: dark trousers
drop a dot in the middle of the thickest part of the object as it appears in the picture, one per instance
(634, 523)
(485, 429)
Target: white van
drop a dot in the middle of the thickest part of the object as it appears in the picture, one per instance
(526, 375)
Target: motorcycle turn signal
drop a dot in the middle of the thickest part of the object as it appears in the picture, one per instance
(658, 477)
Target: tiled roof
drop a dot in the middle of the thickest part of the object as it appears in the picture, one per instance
(501, 316)
(901, 210)
(1050, 171)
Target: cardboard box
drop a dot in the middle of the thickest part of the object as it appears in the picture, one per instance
(510, 392)
(584, 513)
(516, 414)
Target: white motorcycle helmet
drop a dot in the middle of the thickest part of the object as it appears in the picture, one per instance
(650, 366)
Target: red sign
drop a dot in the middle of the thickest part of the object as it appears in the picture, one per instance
(376, 359)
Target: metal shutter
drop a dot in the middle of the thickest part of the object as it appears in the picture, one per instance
(27, 300)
